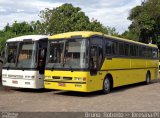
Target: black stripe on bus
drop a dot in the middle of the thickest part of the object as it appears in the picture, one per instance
(65, 82)
(130, 69)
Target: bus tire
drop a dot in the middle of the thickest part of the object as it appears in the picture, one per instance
(148, 78)
(106, 86)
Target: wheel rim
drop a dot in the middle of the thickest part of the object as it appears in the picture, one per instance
(106, 85)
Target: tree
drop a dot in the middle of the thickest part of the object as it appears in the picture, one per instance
(62, 19)
(37, 27)
(16, 29)
(3, 37)
(21, 28)
(68, 18)
(145, 22)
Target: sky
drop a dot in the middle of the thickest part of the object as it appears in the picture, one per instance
(112, 13)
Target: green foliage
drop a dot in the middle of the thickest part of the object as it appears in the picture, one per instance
(4, 36)
(16, 29)
(129, 35)
(145, 22)
(20, 28)
(63, 19)
(69, 18)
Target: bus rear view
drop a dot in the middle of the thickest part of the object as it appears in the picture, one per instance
(24, 61)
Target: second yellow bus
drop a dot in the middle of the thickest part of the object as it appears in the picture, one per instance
(90, 61)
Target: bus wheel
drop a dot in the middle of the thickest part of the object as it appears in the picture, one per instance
(106, 86)
(148, 78)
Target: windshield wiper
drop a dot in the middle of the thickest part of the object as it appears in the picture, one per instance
(8, 67)
(21, 67)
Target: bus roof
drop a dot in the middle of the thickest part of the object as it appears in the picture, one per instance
(87, 34)
(33, 37)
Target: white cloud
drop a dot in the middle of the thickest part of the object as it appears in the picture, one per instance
(20, 17)
(17, 10)
(111, 13)
(20, 10)
(40, 5)
(6, 1)
(2, 10)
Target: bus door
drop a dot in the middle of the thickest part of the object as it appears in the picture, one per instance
(42, 53)
(96, 60)
(96, 57)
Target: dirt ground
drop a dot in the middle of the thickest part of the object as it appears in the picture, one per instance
(137, 97)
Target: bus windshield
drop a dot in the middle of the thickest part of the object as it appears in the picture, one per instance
(10, 55)
(26, 57)
(68, 54)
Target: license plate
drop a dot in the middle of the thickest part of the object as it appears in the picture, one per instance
(14, 82)
(61, 84)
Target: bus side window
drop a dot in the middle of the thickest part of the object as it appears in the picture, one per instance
(100, 57)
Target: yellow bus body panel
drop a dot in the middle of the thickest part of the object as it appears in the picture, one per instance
(91, 83)
(123, 71)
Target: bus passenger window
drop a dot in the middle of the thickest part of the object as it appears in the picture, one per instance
(126, 49)
(108, 47)
(121, 49)
(100, 57)
(154, 53)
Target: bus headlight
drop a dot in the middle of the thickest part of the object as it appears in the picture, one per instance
(32, 77)
(29, 77)
(80, 78)
(4, 75)
(4, 81)
(48, 77)
(26, 77)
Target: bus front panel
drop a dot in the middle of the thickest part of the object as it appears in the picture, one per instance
(22, 79)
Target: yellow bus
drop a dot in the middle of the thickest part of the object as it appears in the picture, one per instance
(88, 61)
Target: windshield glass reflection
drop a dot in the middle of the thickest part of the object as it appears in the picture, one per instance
(68, 54)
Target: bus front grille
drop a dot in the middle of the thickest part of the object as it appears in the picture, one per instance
(62, 78)
(67, 78)
(56, 77)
